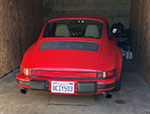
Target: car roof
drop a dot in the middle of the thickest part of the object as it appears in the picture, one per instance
(79, 16)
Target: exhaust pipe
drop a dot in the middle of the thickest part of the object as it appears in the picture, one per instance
(23, 91)
(107, 95)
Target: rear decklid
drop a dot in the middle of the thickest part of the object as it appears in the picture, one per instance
(64, 57)
(77, 54)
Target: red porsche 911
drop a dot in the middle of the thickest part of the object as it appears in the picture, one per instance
(74, 55)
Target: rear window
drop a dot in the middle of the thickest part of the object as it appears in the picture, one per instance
(74, 28)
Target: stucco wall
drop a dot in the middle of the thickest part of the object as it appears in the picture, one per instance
(20, 24)
(140, 35)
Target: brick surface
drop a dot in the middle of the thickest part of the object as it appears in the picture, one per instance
(114, 9)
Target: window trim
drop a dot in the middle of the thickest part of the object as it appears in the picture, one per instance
(110, 38)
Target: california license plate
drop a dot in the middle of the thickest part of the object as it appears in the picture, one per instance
(62, 87)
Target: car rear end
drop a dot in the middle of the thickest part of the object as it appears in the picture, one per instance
(66, 59)
(67, 82)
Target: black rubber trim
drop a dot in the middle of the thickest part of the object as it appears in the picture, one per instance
(105, 86)
(86, 87)
(70, 45)
(71, 78)
(35, 82)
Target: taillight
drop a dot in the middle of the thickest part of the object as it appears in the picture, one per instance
(107, 74)
(100, 75)
(110, 73)
(26, 72)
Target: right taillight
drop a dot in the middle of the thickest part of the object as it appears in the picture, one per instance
(110, 74)
(107, 74)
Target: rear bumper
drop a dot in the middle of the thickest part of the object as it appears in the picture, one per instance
(81, 86)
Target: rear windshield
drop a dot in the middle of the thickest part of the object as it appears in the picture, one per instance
(74, 28)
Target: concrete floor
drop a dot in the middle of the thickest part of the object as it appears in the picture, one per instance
(134, 98)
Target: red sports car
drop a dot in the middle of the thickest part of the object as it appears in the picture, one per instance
(74, 55)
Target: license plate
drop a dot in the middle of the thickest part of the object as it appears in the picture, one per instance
(62, 87)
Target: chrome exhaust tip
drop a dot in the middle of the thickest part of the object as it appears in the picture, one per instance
(107, 95)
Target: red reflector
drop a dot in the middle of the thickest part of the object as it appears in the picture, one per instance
(64, 74)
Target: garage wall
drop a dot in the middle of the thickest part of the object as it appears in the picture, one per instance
(113, 10)
(140, 34)
(20, 25)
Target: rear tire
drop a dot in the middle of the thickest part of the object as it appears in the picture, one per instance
(118, 85)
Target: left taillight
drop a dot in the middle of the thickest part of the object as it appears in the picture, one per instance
(107, 74)
(26, 71)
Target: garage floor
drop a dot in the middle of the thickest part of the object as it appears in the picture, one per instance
(134, 98)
